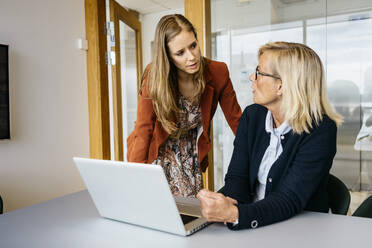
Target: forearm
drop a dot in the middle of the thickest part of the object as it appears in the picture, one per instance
(268, 211)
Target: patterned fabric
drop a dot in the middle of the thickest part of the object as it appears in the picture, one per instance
(179, 155)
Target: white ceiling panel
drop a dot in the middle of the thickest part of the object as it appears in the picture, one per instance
(150, 6)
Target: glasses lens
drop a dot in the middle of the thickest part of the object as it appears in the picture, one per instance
(255, 75)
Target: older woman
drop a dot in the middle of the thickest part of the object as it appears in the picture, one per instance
(284, 146)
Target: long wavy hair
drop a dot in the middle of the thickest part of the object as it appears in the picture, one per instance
(162, 78)
(305, 98)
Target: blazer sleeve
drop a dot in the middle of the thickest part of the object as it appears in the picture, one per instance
(310, 165)
(138, 141)
(228, 102)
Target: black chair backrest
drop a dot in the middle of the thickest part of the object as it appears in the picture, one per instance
(338, 196)
(1, 205)
(365, 209)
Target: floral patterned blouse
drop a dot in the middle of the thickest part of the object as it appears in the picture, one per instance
(179, 155)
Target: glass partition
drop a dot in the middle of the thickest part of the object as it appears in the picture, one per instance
(129, 80)
(340, 32)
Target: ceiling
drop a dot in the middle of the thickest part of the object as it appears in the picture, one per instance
(150, 6)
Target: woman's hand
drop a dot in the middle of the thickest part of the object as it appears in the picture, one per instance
(217, 207)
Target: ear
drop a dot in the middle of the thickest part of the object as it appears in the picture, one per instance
(280, 89)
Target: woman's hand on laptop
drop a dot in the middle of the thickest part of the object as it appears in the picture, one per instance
(217, 207)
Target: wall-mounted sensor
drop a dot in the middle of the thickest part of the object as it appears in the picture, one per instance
(82, 44)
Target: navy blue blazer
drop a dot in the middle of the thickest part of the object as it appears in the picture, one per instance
(297, 180)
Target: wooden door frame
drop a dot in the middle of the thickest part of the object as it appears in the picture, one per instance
(97, 80)
(97, 76)
(130, 18)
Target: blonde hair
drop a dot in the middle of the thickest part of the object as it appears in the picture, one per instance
(304, 100)
(163, 79)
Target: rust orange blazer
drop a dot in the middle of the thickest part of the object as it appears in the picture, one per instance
(148, 134)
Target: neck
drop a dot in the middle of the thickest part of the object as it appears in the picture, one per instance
(278, 120)
(277, 115)
(184, 77)
(186, 86)
(275, 109)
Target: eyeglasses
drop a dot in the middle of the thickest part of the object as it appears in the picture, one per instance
(264, 74)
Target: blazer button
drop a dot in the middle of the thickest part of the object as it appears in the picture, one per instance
(270, 179)
(254, 223)
(282, 137)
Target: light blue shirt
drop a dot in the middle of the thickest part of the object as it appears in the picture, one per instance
(272, 153)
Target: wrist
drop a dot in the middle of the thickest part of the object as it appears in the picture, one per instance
(234, 214)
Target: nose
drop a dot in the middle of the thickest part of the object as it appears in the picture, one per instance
(190, 55)
(251, 77)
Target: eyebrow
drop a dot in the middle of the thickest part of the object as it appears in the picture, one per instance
(192, 43)
(181, 50)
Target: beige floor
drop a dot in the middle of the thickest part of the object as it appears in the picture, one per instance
(356, 199)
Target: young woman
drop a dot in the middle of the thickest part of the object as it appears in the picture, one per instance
(284, 146)
(179, 96)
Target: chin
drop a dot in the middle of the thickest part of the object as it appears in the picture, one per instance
(192, 71)
(195, 71)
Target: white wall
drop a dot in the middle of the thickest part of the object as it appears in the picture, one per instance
(49, 103)
(149, 22)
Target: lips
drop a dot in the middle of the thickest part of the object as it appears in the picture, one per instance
(193, 65)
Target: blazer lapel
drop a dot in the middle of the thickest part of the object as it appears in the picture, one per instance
(206, 105)
(258, 154)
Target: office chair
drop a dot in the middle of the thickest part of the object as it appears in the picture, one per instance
(365, 209)
(1, 205)
(338, 196)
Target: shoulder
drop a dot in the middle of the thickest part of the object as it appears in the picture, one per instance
(254, 114)
(213, 65)
(216, 70)
(255, 110)
(252, 124)
(326, 126)
(328, 122)
(325, 133)
(146, 71)
(321, 138)
(145, 81)
(318, 145)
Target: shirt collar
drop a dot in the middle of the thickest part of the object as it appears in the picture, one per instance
(282, 129)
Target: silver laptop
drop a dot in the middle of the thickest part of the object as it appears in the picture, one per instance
(139, 194)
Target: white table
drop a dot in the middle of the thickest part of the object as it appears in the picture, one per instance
(73, 221)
